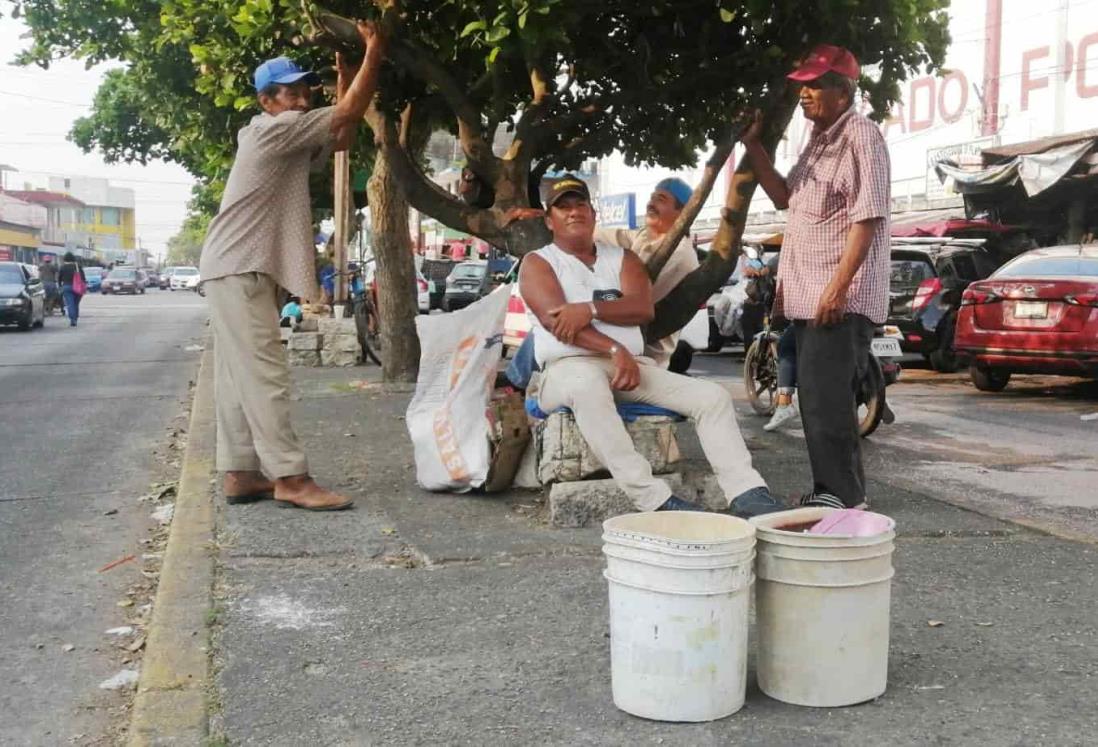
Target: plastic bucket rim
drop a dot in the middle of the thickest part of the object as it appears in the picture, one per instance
(762, 526)
(746, 526)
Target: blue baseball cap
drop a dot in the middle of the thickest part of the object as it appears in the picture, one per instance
(679, 189)
(284, 71)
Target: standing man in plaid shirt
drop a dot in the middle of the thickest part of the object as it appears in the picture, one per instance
(833, 281)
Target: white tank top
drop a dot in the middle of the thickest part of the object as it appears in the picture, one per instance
(582, 284)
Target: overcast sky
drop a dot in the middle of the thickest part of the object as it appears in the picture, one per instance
(37, 109)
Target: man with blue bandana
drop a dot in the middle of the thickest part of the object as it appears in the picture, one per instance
(667, 201)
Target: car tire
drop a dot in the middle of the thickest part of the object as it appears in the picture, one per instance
(989, 379)
(25, 324)
(944, 359)
(716, 343)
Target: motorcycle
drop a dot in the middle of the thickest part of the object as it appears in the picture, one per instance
(760, 369)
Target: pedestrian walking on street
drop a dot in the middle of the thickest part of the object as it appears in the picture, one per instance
(261, 240)
(833, 284)
(73, 285)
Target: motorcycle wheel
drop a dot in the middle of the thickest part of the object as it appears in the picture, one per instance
(871, 398)
(760, 377)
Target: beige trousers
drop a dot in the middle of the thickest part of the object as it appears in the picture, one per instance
(251, 378)
(582, 384)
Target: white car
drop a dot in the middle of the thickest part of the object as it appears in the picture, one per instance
(185, 278)
(423, 293)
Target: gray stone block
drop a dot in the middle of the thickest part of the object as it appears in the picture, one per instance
(337, 358)
(334, 327)
(564, 456)
(581, 504)
(304, 357)
(342, 344)
(308, 325)
(306, 341)
(285, 333)
(706, 490)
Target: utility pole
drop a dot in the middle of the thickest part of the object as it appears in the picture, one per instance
(1060, 73)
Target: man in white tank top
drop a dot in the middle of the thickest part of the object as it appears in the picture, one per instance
(588, 301)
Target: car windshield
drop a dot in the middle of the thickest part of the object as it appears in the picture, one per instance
(185, 271)
(122, 275)
(470, 271)
(90, 272)
(1049, 267)
(11, 275)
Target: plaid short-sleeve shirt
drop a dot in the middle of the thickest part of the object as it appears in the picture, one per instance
(843, 177)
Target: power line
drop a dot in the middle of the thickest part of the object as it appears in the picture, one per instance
(44, 99)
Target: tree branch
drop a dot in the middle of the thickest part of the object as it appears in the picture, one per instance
(681, 226)
(680, 305)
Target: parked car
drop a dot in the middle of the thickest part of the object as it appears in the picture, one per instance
(468, 282)
(152, 278)
(926, 282)
(94, 276)
(22, 296)
(166, 277)
(1037, 313)
(423, 293)
(184, 278)
(124, 280)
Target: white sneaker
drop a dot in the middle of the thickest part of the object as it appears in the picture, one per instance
(781, 416)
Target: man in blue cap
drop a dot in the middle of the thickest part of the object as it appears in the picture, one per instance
(664, 205)
(261, 240)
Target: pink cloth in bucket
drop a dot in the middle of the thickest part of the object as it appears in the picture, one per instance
(852, 522)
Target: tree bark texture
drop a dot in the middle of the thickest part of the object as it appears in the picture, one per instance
(396, 274)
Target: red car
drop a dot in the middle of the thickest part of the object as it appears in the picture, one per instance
(1037, 313)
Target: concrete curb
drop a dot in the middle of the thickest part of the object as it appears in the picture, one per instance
(170, 706)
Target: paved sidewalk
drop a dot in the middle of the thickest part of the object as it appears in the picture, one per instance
(424, 618)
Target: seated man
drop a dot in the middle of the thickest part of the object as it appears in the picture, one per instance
(663, 209)
(588, 301)
(291, 314)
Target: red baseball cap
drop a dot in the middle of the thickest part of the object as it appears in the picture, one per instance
(827, 58)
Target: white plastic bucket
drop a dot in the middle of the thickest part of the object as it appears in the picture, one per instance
(822, 611)
(679, 595)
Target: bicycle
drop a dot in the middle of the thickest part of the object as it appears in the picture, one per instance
(361, 306)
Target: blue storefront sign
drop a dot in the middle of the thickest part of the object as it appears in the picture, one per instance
(617, 211)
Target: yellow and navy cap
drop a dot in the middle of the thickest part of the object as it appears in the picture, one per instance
(555, 189)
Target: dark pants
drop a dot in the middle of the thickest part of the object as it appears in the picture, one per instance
(830, 363)
(72, 303)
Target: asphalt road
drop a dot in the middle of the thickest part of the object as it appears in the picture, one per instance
(85, 419)
(1023, 454)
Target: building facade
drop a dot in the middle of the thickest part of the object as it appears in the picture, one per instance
(21, 227)
(107, 223)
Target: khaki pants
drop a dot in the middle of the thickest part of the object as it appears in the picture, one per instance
(251, 378)
(582, 384)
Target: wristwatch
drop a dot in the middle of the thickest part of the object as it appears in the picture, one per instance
(594, 309)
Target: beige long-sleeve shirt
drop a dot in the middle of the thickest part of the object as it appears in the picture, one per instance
(265, 221)
(681, 263)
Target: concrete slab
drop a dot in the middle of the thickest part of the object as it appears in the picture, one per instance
(486, 653)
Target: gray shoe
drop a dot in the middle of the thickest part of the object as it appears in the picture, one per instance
(674, 503)
(754, 502)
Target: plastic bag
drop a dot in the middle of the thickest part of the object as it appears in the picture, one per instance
(459, 356)
(728, 309)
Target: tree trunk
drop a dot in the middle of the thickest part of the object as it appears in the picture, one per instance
(396, 274)
(679, 306)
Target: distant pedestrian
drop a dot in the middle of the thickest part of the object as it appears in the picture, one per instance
(833, 283)
(47, 273)
(73, 286)
(292, 314)
(261, 239)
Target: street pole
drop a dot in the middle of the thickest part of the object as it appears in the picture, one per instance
(342, 182)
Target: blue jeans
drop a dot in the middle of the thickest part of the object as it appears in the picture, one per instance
(523, 364)
(72, 304)
(787, 360)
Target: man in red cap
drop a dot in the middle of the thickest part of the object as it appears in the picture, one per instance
(833, 277)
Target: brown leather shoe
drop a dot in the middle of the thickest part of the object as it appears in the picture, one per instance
(300, 491)
(246, 487)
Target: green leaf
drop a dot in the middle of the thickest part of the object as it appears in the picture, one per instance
(473, 26)
(497, 34)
